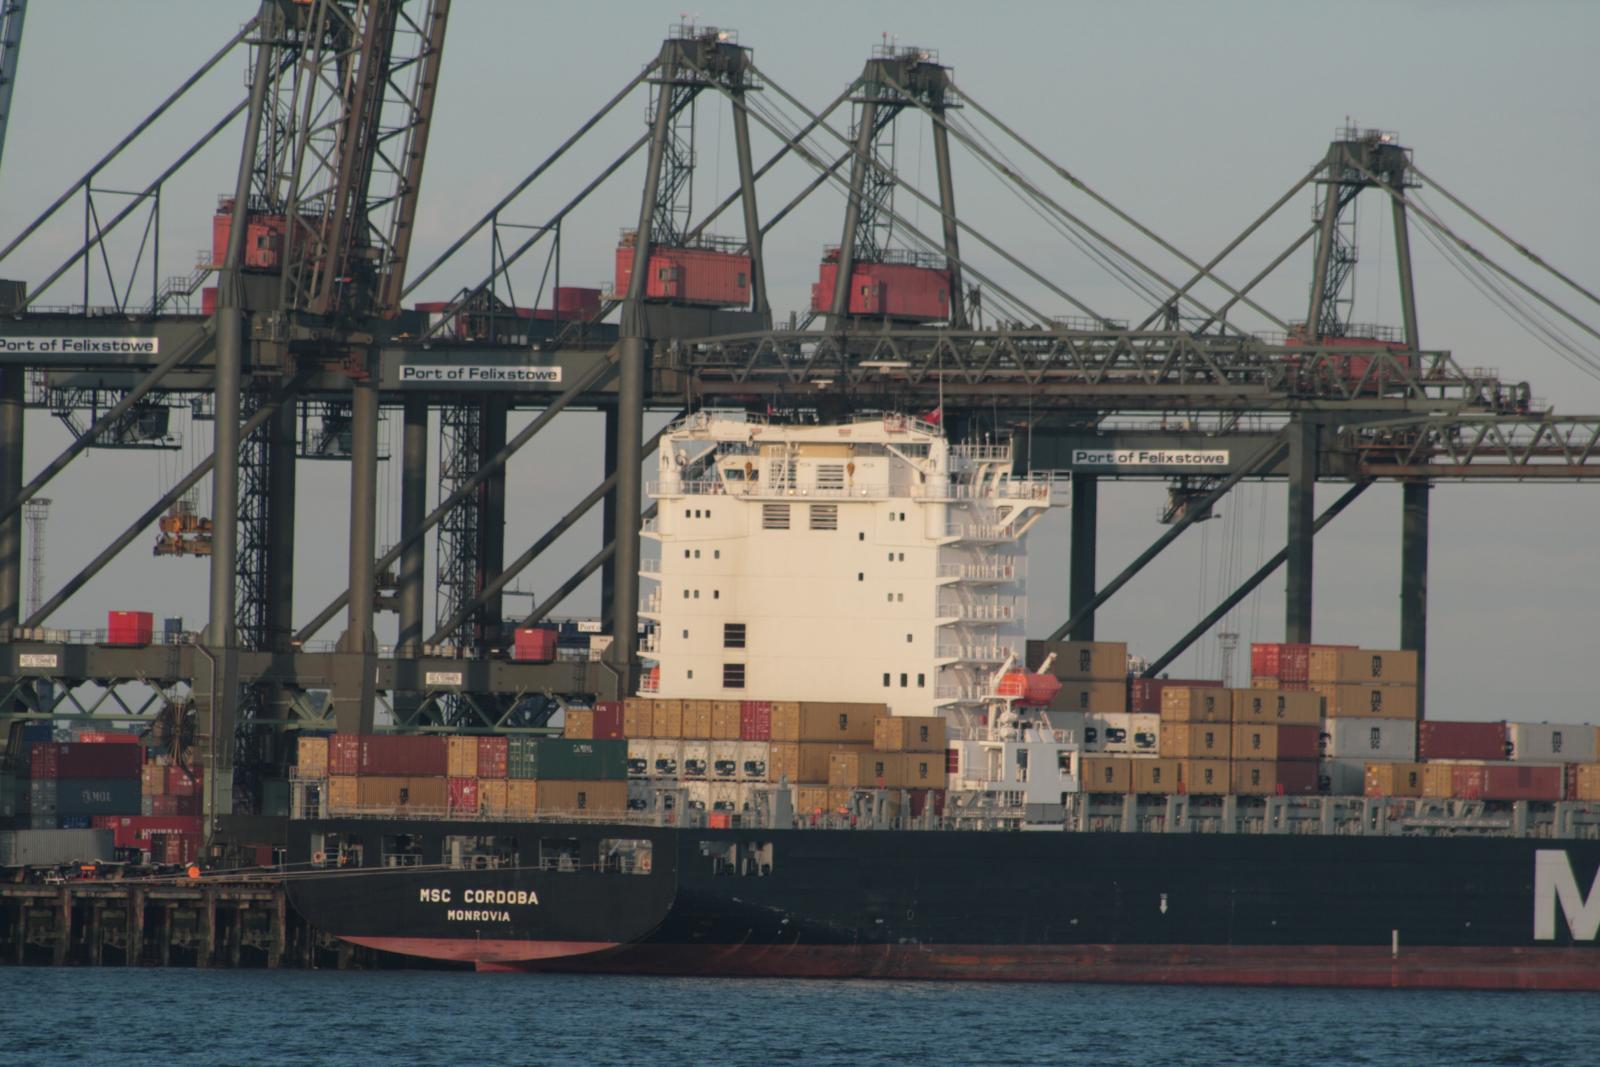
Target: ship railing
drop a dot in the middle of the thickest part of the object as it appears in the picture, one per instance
(650, 526)
(958, 692)
(652, 603)
(982, 453)
(982, 572)
(989, 609)
(975, 653)
(650, 565)
(966, 531)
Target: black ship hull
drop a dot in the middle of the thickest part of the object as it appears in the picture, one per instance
(1486, 913)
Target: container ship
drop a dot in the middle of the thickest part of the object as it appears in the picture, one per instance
(847, 760)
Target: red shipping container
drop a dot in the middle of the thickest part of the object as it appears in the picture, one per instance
(702, 276)
(608, 720)
(922, 798)
(1296, 778)
(573, 301)
(1466, 781)
(534, 644)
(129, 628)
(107, 737)
(463, 796)
(208, 300)
(1437, 739)
(179, 849)
(76, 760)
(344, 754)
(171, 805)
(1299, 743)
(404, 756)
(182, 783)
(493, 755)
(1519, 781)
(755, 720)
(134, 831)
(888, 290)
(1144, 694)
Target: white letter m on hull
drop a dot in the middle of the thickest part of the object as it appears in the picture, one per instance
(1553, 881)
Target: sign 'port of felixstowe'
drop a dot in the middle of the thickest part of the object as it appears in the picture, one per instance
(1155, 457)
(477, 374)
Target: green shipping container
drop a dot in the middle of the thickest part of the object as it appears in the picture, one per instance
(567, 758)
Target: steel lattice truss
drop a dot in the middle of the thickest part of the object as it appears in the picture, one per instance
(1066, 368)
(1479, 447)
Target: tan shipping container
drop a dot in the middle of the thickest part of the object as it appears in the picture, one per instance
(1107, 774)
(1285, 707)
(839, 798)
(522, 797)
(1394, 780)
(809, 720)
(923, 770)
(908, 733)
(400, 794)
(581, 797)
(343, 796)
(1195, 740)
(811, 799)
(666, 720)
(865, 768)
(1100, 698)
(1438, 779)
(1263, 683)
(801, 763)
(1253, 777)
(461, 756)
(1252, 741)
(1368, 701)
(1106, 660)
(1186, 703)
(1157, 775)
(492, 796)
(724, 720)
(697, 720)
(1205, 777)
(637, 717)
(1586, 781)
(580, 725)
(1362, 666)
(312, 757)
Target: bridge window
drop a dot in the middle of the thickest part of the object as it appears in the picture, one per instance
(733, 635)
(733, 676)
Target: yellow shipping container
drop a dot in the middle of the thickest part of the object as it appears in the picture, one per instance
(666, 719)
(401, 795)
(1587, 786)
(522, 797)
(1157, 775)
(581, 797)
(492, 796)
(801, 763)
(811, 799)
(1254, 741)
(1438, 780)
(1107, 774)
(696, 720)
(1106, 660)
(923, 770)
(908, 733)
(1196, 703)
(839, 798)
(1205, 777)
(812, 721)
(638, 717)
(1253, 777)
(724, 720)
(312, 757)
(862, 767)
(1362, 666)
(1263, 683)
(580, 725)
(1195, 740)
(1097, 698)
(1285, 707)
(1394, 780)
(461, 757)
(1368, 701)
(342, 795)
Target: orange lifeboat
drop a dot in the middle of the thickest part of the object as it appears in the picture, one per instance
(1029, 689)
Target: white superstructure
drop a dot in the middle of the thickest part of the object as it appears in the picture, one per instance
(864, 561)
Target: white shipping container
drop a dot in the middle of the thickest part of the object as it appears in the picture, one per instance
(697, 796)
(1121, 733)
(1370, 739)
(641, 751)
(753, 760)
(724, 761)
(1346, 777)
(1551, 742)
(641, 796)
(696, 760)
(727, 797)
(49, 848)
(665, 759)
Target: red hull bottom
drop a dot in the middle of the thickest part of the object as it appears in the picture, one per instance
(1570, 969)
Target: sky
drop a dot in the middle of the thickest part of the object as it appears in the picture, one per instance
(1191, 118)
